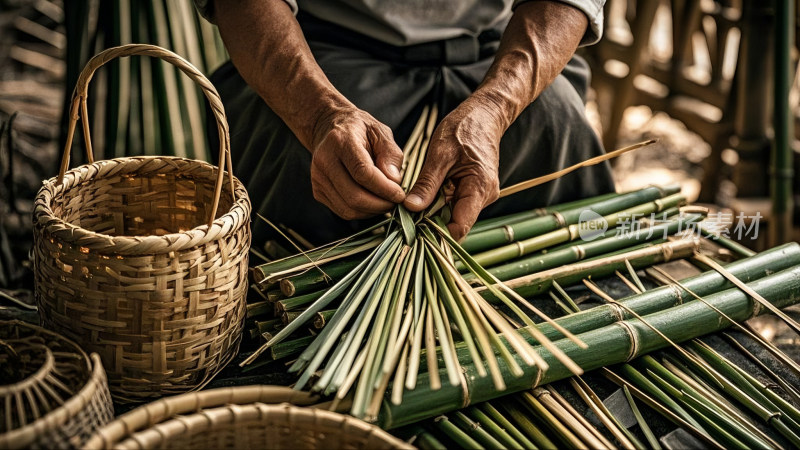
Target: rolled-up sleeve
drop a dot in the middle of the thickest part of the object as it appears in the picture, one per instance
(594, 12)
(206, 8)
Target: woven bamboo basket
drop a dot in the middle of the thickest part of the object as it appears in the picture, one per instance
(133, 261)
(57, 396)
(240, 417)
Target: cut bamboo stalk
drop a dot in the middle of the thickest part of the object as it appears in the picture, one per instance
(503, 421)
(516, 414)
(563, 433)
(474, 429)
(787, 388)
(498, 432)
(585, 249)
(565, 404)
(461, 438)
(572, 232)
(559, 218)
(496, 222)
(564, 415)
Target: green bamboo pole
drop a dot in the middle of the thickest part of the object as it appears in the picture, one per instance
(515, 412)
(748, 270)
(473, 429)
(458, 436)
(261, 308)
(558, 218)
(269, 272)
(314, 280)
(535, 284)
(586, 249)
(607, 345)
(490, 411)
(498, 432)
(290, 348)
(526, 246)
(426, 440)
(297, 302)
(495, 222)
(730, 244)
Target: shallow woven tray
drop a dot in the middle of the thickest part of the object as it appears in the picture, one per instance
(60, 403)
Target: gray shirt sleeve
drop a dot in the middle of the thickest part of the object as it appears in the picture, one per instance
(594, 12)
(206, 8)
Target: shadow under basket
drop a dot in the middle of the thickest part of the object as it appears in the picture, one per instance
(133, 261)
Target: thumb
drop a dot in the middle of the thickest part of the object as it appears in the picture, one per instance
(467, 205)
(424, 191)
(388, 156)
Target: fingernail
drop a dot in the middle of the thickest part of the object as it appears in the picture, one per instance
(394, 172)
(414, 200)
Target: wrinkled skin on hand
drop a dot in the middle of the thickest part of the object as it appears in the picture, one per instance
(465, 149)
(355, 165)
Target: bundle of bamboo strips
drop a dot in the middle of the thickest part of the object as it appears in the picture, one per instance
(463, 427)
(375, 298)
(406, 295)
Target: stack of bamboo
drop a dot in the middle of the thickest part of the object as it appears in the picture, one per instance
(534, 253)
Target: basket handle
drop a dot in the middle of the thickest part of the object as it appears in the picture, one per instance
(81, 91)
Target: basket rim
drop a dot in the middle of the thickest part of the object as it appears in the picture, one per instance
(191, 402)
(23, 437)
(46, 222)
(47, 366)
(232, 413)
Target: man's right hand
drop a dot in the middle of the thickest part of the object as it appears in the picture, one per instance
(355, 167)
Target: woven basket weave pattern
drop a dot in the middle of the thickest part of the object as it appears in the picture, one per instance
(164, 322)
(144, 259)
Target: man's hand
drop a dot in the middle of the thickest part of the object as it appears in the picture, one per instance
(539, 41)
(465, 149)
(355, 168)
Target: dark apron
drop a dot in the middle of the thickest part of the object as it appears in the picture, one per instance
(393, 84)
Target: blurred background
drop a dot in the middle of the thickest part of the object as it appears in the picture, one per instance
(699, 75)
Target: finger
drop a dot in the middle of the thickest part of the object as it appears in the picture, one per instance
(424, 191)
(354, 194)
(363, 170)
(388, 156)
(334, 202)
(469, 199)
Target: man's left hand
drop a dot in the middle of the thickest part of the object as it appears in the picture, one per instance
(465, 149)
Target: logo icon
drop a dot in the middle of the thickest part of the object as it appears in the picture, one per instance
(591, 225)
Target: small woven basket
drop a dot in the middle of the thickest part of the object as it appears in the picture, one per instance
(58, 396)
(240, 417)
(133, 262)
